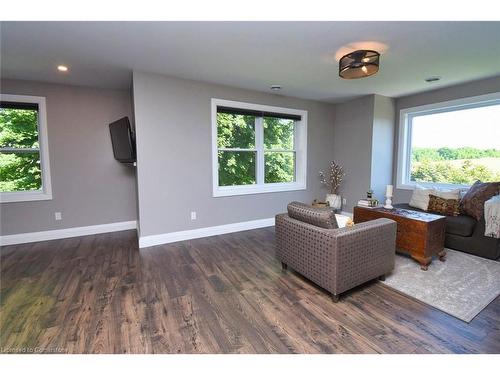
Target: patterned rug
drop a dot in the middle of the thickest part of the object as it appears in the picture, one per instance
(462, 286)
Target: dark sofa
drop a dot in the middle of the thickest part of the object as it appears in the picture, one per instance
(466, 234)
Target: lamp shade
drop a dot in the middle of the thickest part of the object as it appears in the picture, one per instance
(359, 64)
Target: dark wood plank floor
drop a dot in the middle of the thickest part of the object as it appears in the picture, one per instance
(224, 294)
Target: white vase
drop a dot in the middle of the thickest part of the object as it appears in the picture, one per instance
(334, 200)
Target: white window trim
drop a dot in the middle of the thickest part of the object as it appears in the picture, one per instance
(261, 187)
(46, 192)
(404, 142)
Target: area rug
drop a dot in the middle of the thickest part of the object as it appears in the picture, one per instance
(462, 286)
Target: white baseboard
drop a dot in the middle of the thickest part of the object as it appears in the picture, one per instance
(14, 239)
(159, 239)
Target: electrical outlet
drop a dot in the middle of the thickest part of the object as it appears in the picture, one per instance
(193, 215)
(58, 216)
(344, 201)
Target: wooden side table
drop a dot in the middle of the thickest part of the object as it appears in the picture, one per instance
(419, 234)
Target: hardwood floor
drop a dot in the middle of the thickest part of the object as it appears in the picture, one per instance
(223, 294)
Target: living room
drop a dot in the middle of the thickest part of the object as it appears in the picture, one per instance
(203, 188)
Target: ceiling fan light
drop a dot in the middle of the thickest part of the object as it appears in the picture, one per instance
(359, 64)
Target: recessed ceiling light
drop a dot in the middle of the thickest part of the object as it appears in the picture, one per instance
(276, 87)
(62, 68)
(432, 79)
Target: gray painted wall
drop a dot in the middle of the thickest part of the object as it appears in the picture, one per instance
(481, 87)
(382, 145)
(173, 127)
(88, 186)
(352, 147)
(174, 174)
(363, 144)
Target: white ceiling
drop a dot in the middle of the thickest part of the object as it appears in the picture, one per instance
(300, 56)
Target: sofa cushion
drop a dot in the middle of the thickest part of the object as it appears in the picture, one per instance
(447, 207)
(447, 194)
(321, 217)
(420, 198)
(472, 203)
(461, 225)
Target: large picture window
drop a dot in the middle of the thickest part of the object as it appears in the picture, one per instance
(450, 144)
(257, 148)
(24, 164)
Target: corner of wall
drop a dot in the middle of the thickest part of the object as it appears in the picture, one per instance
(382, 144)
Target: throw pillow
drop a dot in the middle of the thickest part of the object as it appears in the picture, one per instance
(447, 207)
(321, 217)
(448, 194)
(420, 198)
(472, 203)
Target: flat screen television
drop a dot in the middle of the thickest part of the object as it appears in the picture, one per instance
(123, 140)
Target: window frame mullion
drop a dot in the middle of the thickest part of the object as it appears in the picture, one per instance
(19, 150)
(259, 146)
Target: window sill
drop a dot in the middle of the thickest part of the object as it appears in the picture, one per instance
(24, 196)
(411, 186)
(257, 189)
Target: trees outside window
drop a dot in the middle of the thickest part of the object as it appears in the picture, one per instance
(279, 154)
(19, 150)
(237, 152)
(463, 165)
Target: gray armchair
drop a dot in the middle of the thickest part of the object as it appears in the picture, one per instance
(337, 259)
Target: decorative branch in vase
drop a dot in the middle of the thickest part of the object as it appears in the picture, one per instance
(333, 183)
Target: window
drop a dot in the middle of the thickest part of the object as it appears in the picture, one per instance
(257, 148)
(24, 155)
(450, 144)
